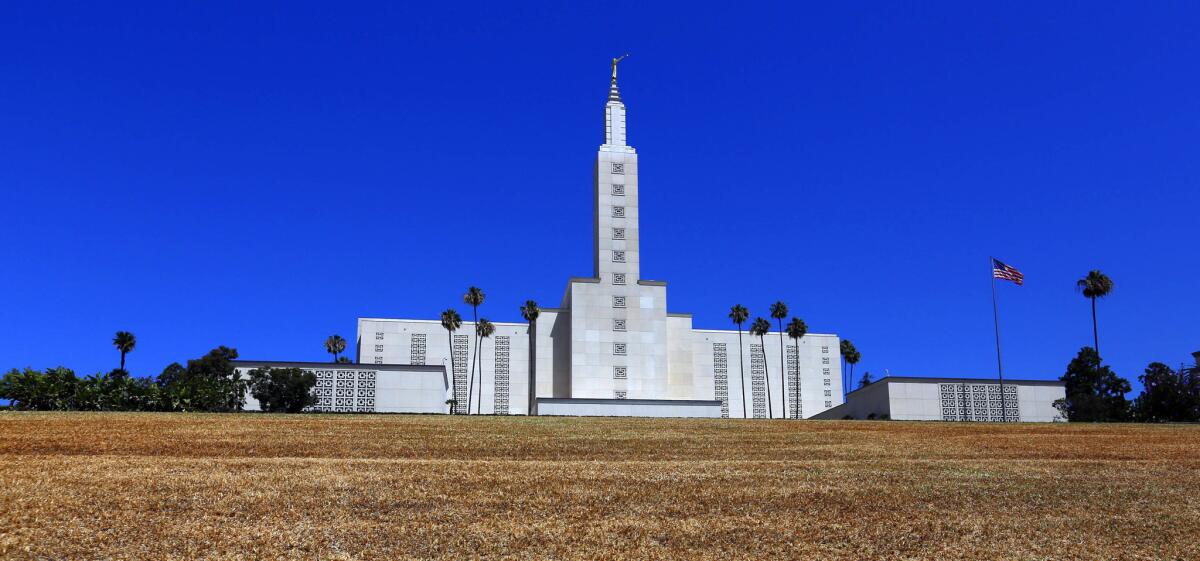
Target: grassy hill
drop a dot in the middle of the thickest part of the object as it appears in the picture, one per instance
(161, 486)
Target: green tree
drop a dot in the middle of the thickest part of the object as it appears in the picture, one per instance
(334, 345)
(483, 330)
(451, 321)
(286, 390)
(530, 311)
(344, 360)
(779, 310)
(761, 327)
(1093, 392)
(1094, 285)
(1168, 395)
(796, 329)
(739, 314)
(474, 298)
(208, 383)
(865, 381)
(125, 342)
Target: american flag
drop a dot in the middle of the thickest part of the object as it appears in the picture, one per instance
(1004, 272)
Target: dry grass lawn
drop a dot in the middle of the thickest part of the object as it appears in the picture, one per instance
(179, 486)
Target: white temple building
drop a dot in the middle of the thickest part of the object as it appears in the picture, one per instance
(612, 347)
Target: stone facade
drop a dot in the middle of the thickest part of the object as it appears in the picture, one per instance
(612, 337)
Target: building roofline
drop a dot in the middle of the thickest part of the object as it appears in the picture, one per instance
(951, 380)
(465, 322)
(734, 331)
(339, 365)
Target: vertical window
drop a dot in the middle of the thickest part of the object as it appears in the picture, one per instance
(618, 256)
(825, 360)
(618, 301)
(828, 404)
(618, 212)
(378, 360)
(379, 348)
(618, 325)
(825, 371)
(618, 278)
(619, 348)
(378, 335)
(618, 233)
(620, 372)
(618, 189)
(828, 393)
(825, 350)
(618, 167)
(619, 394)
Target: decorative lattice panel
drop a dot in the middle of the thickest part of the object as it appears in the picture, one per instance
(758, 381)
(796, 410)
(416, 351)
(978, 402)
(721, 377)
(502, 375)
(345, 391)
(461, 343)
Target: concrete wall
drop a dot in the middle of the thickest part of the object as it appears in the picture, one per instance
(908, 399)
(628, 408)
(365, 389)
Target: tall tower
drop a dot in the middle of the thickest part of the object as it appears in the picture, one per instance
(618, 320)
(616, 197)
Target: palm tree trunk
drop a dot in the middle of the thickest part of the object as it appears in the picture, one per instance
(479, 388)
(742, 368)
(1095, 330)
(471, 382)
(766, 377)
(782, 372)
(123, 352)
(454, 386)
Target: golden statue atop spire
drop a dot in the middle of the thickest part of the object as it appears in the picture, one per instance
(614, 64)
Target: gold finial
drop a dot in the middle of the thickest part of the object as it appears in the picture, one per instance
(617, 60)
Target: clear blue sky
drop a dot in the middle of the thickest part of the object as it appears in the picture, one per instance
(260, 177)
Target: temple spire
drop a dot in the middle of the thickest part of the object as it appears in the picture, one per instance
(614, 115)
(613, 93)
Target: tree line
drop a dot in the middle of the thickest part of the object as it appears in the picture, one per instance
(209, 383)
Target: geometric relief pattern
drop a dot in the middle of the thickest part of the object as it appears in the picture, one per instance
(758, 381)
(978, 402)
(416, 351)
(794, 388)
(502, 376)
(460, 373)
(721, 377)
(344, 391)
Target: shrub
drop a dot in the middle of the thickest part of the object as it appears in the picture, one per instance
(287, 390)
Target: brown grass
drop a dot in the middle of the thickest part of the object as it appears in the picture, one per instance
(166, 486)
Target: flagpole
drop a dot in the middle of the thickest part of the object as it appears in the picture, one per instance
(996, 321)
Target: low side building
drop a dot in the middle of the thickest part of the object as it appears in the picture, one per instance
(952, 399)
(363, 388)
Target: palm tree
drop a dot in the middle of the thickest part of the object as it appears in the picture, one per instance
(451, 321)
(1094, 285)
(739, 314)
(124, 341)
(761, 327)
(334, 345)
(853, 359)
(530, 312)
(850, 356)
(473, 298)
(795, 330)
(483, 330)
(779, 311)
